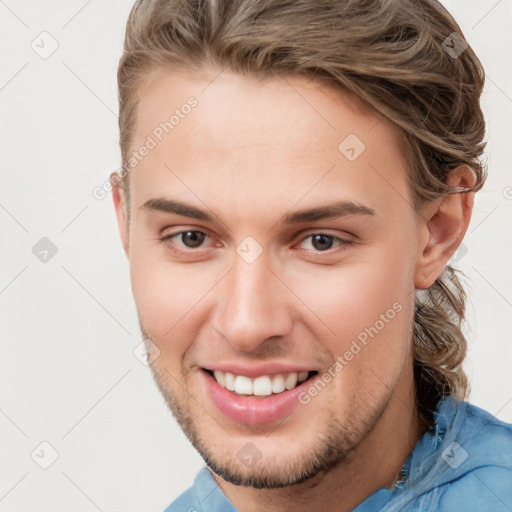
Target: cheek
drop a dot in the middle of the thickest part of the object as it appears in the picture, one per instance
(164, 294)
(366, 300)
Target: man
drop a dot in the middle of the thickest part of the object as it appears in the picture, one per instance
(296, 177)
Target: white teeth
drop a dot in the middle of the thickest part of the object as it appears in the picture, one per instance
(229, 380)
(264, 385)
(219, 377)
(302, 376)
(243, 385)
(278, 384)
(291, 381)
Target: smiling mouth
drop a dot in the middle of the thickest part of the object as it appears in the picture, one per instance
(262, 386)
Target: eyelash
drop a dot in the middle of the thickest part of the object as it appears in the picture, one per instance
(343, 243)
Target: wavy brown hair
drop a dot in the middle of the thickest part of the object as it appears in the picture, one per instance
(389, 54)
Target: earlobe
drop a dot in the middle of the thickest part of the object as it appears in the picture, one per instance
(442, 225)
(120, 206)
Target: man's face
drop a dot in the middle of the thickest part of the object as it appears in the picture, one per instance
(256, 290)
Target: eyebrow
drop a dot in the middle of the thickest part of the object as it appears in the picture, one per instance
(160, 204)
(338, 209)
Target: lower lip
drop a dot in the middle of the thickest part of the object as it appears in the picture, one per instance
(253, 410)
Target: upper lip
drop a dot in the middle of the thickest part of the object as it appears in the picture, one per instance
(257, 369)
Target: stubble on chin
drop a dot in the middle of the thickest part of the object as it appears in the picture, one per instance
(330, 447)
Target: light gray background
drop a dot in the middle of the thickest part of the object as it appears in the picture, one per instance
(68, 375)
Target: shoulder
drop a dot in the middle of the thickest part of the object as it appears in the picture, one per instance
(487, 436)
(186, 502)
(482, 489)
(481, 460)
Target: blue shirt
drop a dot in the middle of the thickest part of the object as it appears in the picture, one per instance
(464, 463)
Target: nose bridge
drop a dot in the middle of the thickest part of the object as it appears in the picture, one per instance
(252, 307)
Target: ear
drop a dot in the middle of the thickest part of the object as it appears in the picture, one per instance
(118, 196)
(443, 224)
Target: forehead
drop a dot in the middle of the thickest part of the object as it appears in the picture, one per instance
(274, 139)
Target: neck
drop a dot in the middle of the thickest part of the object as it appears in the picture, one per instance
(374, 463)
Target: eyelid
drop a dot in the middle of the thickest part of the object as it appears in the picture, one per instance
(346, 236)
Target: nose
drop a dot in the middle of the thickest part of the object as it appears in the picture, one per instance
(253, 306)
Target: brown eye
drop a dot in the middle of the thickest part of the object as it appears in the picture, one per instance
(322, 242)
(191, 239)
